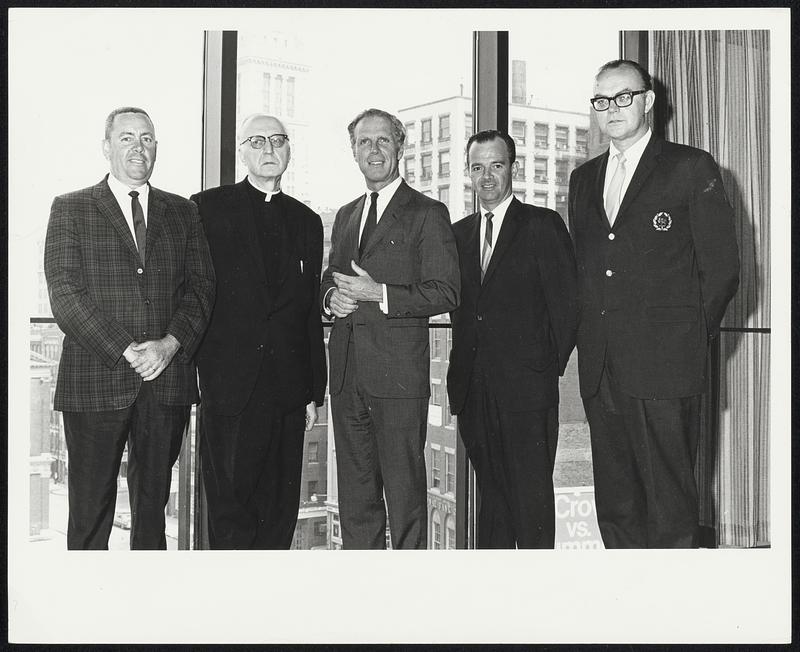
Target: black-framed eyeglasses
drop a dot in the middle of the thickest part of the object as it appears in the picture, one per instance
(601, 102)
(258, 142)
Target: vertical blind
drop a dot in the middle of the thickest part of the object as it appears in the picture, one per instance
(714, 88)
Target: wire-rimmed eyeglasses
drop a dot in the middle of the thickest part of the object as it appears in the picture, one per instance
(601, 102)
(258, 142)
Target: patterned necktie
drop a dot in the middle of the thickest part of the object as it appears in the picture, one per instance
(613, 198)
(370, 224)
(138, 223)
(486, 254)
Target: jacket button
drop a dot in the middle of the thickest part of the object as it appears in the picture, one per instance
(479, 317)
(611, 236)
(609, 272)
(140, 271)
(147, 302)
(602, 313)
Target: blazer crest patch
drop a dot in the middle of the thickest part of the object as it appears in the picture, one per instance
(662, 221)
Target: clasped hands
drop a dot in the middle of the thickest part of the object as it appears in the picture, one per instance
(149, 359)
(352, 289)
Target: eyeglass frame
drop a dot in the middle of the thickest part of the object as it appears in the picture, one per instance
(269, 138)
(614, 99)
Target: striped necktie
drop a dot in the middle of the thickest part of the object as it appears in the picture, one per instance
(486, 254)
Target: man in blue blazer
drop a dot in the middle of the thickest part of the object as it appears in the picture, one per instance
(392, 264)
(512, 337)
(657, 265)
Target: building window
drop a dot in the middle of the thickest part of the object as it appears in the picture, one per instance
(467, 125)
(290, 97)
(426, 131)
(541, 135)
(540, 169)
(312, 488)
(561, 206)
(450, 473)
(469, 207)
(450, 533)
(436, 393)
(562, 172)
(320, 528)
(410, 174)
(265, 88)
(444, 127)
(447, 418)
(425, 159)
(436, 468)
(444, 196)
(540, 199)
(410, 135)
(520, 168)
(444, 163)
(278, 95)
(436, 341)
(520, 195)
(518, 131)
(313, 452)
(436, 531)
(562, 137)
(581, 141)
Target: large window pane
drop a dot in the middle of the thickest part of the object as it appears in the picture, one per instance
(549, 98)
(332, 81)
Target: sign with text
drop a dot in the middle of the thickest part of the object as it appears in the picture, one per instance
(576, 519)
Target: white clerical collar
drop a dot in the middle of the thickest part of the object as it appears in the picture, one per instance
(268, 194)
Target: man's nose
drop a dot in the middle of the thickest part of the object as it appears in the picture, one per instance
(138, 145)
(613, 106)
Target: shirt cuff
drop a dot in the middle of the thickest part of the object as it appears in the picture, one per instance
(325, 307)
(384, 305)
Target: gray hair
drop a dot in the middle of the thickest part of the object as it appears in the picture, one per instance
(398, 129)
(116, 112)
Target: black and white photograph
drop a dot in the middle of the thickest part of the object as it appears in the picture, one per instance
(399, 325)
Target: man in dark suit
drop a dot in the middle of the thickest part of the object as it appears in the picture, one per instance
(657, 265)
(262, 362)
(131, 285)
(392, 264)
(512, 337)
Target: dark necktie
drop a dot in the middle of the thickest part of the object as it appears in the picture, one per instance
(487, 246)
(371, 223)
(138, 223)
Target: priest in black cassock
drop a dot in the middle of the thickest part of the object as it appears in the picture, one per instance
(262, 364)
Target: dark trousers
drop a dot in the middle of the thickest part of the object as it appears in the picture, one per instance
(643, 455)
(380, 449)
(513, 454)
(251, 465)
(95, 442)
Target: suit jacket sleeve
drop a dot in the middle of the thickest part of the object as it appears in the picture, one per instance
(556, 262)
(76, 313)
(334, 256)
(319, 370)
(189, 322)
(439, 287)
(714, 237)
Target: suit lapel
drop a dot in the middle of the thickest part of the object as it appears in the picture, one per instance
(507, 235)
(472, 250)
(350, 240)
(109, 208)
(244, 221)
(289, 255)
(399, 199)
(156, 214)
(647, 164)
(599, 183)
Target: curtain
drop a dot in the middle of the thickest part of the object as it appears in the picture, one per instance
(713, 93)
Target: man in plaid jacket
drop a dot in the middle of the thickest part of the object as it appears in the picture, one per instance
(131, 284)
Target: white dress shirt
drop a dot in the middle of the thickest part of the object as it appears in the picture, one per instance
(632, 157)
(498, 215)
(120, 192)
(385, 195)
